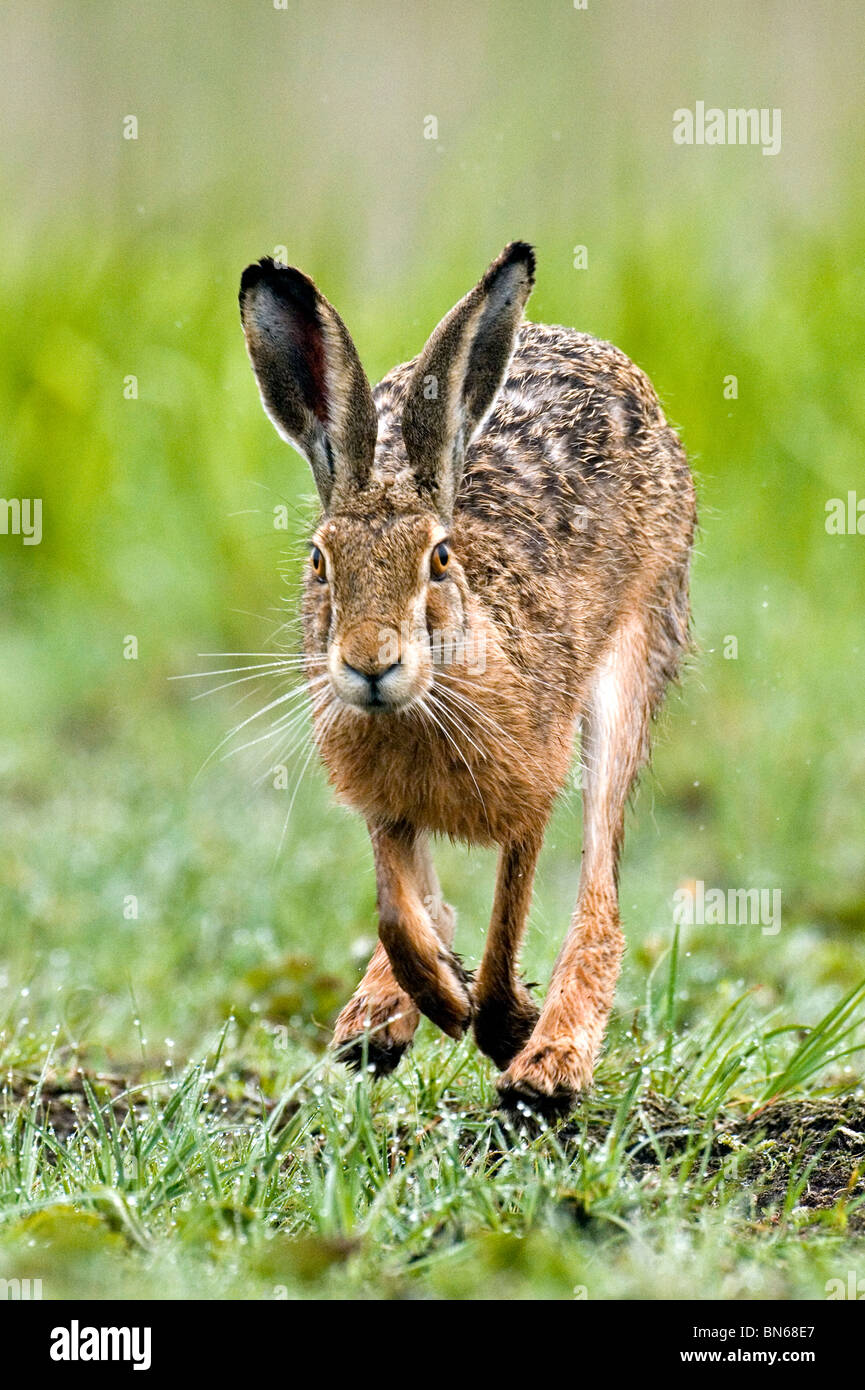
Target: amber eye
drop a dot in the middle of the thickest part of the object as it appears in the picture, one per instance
(319, 568)
(439, 561)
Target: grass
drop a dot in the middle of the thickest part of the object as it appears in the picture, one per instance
(720, 1153)
(259, 1174)
(172, 1124)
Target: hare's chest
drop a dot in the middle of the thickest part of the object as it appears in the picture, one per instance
(441, 782)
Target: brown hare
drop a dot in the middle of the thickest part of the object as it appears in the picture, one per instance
(502, 560)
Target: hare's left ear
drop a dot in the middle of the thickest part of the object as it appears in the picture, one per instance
(312, 384)
(455, 380)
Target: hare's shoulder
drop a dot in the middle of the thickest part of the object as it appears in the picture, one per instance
(563, 379)
(573, 416)
(574, 422)
(562, 388)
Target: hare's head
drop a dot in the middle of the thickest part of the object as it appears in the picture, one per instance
(386, 592)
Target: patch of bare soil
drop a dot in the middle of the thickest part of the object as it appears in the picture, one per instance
(63, 1101)
(812, 1147)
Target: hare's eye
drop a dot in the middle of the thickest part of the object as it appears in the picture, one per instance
(319, 568)
(439, 561)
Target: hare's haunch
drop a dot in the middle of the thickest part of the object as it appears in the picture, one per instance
(502, 559)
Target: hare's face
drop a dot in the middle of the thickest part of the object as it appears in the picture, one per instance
(384, 599)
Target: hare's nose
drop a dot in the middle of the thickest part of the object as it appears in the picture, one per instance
(368, 691)
(370, 649)
(370, 673)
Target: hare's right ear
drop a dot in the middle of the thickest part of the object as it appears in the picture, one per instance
(456, 378)
(312, 384)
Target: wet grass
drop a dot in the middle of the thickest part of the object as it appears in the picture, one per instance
(252, 1174)
(721, 1153)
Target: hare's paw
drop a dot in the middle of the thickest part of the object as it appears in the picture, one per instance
(375, 1031)
(546, 1076)
(434, 977)
(503, 1025)
(445, 996)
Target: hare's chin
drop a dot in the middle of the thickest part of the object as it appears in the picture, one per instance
(379, 705)
(378, 699)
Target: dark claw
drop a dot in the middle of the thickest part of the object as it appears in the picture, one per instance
(360, 1053)
(502, 1028)
(523, 1105)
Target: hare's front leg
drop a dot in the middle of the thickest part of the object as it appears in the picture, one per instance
(505, 1013)
(559, 1057)
(380, 1019)
(416, 929)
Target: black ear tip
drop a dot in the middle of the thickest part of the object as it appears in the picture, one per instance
(522, 251)
(286, 282)
(516, 253)
(254, 275)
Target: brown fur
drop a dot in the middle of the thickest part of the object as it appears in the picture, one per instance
(542, 456)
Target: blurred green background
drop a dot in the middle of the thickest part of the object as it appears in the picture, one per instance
(304, 129)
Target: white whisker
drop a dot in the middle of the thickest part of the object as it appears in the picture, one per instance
(452, 741)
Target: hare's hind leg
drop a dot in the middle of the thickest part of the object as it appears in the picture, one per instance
(558, 1059)
(379, 1021)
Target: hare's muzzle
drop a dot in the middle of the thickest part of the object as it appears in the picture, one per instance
(370, 673)
(372, 689)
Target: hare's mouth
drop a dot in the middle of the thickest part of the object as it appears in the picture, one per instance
(374, 691)
(375, 704)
